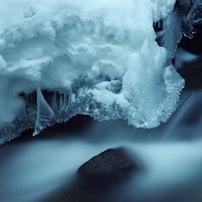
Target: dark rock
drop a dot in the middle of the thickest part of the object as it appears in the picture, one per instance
(111, 161)
(106, 172)
(98, 178)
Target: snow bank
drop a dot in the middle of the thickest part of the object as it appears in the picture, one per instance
(88, 57)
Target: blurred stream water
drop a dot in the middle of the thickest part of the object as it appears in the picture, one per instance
(171, 154)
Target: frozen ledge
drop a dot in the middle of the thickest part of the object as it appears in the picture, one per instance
(44, 108)
(66, 58)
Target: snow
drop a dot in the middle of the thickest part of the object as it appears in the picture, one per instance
(97, 57)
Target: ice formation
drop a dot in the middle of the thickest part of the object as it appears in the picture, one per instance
(101, 58)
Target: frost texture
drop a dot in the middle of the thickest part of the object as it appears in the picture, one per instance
(63, 58)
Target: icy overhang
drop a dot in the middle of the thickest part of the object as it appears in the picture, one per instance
(104, 59)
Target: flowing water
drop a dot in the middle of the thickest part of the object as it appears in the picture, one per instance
(171, 155)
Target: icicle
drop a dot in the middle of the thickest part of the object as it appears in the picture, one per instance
(54, 104)
(61, 102)
(65, 106)
(44, 113)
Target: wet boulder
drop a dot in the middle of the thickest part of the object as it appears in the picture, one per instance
(110, 162)
(97, 178)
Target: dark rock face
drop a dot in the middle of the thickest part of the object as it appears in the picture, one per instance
(98, 178)
(109, 162)
(106, 172)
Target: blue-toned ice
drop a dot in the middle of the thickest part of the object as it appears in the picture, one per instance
(86, 58)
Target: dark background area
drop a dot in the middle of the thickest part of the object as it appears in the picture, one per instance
(193, 45)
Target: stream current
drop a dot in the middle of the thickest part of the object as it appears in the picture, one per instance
(171, 154)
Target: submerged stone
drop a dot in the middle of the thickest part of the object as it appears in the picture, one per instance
(98, 177)
(111, 161)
